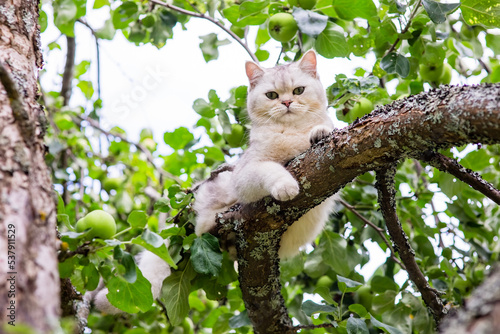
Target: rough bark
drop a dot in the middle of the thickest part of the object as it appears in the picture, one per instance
(442, 118)
(481, 314)
(28, 241)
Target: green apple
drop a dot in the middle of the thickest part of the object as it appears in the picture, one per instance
(149, 143)
(237, 136)
(362, 107)
(282, 27)
(431, 72)
(324, 281)
(364, 296)
(112, 183)
(102, 224)
(307, 4)
(445, 78)
(146, 133)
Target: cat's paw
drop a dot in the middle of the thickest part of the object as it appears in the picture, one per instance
(319, 132)
(285, 189)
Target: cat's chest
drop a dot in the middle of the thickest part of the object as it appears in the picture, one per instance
(280, 145)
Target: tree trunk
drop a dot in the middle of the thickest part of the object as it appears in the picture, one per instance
(413, 127)
(29, 284)
(481, 313)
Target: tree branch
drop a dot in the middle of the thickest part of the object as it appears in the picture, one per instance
(140, 147)
(451, 166)
(379, 230)
(481, 311)
(67, 79)
(211, 19)
(442, 118)
(386, 197)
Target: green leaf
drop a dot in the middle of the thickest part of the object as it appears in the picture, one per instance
(130, 297)
(127, 261)
(384, 302)
(203, 108)
(81, 68)
(100, 3)
(205, 255)
(127, 12)
(332, 43)
(383, 283)
(309, 307)
(437, 11)
(358, 309)
(155, 244)
(240, 320)
(356, 326)
(65, 12)
(348, 285)
(107, 31)
(351, 9)
(175, 293)
(43, 21)
(137, 218)
(179, 138)
(87, 88)
(90, 277)
(309, 22)
(396, 63)
(210, 46)
(324, 292)
(386, 328)
(334, 252)
(162, 205)
(476, 160)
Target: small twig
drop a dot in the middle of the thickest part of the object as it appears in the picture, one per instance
(140, 147)
(412, 15)
(98, 57)
(297, 328)
(82, 249)
(386, 196)
(68, 73)
(379, 230)
(451, 166)
(211, 19)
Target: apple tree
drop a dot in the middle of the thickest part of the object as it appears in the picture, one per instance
(417, 165)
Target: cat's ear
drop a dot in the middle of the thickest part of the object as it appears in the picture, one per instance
(254, 72)
(308, 63)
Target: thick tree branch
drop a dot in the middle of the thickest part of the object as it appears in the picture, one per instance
(442, 118)
(451, 166)
(481, 312)
(386, 197)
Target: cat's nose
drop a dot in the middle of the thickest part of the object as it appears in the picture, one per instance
(287, 103)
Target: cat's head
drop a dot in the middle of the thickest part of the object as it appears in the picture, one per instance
(285, 94)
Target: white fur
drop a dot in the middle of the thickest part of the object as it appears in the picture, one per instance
(278, 134)
(281, 129)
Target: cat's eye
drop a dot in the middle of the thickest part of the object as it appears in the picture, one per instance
(272, 95)
(298, 90)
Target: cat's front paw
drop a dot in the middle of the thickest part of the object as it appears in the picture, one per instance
(285, 189)
(319, 132)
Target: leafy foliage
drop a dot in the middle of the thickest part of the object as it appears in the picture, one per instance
(452, 228)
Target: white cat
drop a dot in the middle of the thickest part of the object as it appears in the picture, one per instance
(287, 109)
